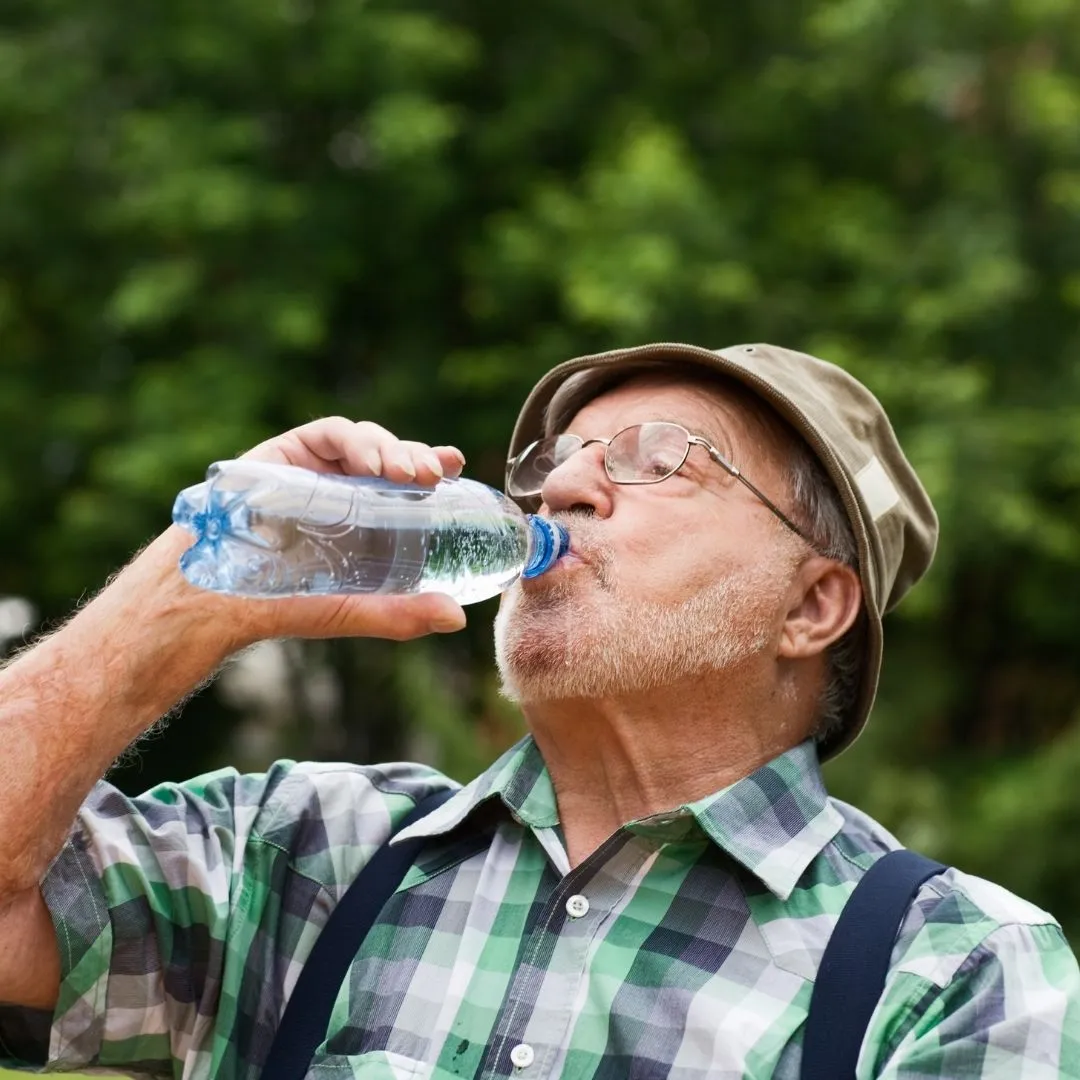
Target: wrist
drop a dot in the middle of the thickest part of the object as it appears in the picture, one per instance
(161, 629)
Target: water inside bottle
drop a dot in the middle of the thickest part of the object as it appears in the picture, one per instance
(261, 539)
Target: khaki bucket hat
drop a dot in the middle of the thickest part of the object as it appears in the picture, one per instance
(893, 520)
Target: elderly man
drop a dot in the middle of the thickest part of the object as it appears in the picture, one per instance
(643, 887)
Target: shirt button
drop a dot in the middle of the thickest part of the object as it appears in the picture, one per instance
(577, 906)
(522, 1056)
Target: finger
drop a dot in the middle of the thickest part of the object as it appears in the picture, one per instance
(418, 463)
(332, 443)
(427, 465)
(354, 447)
(362, 448)
(398, 618)
(401, 618)
(402, 461)
(451, 459)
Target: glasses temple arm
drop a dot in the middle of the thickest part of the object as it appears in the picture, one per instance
(725, 464)
(775, 509)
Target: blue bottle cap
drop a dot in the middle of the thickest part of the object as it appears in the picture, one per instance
(550, 543)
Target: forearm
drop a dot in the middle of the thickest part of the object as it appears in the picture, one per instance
(73, 702)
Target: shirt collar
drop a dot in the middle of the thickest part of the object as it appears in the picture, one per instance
(519, 778)
(773, 822)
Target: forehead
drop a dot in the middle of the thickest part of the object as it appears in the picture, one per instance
(702, 406)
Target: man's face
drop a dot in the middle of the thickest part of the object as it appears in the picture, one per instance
(667, 581)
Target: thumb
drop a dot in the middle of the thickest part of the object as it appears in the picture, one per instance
(398, 618)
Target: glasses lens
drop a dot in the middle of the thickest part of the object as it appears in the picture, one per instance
(646, 453)
(530, 468)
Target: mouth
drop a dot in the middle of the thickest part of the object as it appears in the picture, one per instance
(588, 550)
(569, 562)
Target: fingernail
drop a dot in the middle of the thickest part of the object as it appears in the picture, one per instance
(404, 462)
(448, 624)
(373, 462)
(434, 464)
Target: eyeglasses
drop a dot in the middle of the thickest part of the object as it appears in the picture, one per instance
(640, 454)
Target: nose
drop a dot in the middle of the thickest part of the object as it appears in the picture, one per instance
(579, 483)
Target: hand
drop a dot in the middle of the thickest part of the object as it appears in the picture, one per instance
(337, 445)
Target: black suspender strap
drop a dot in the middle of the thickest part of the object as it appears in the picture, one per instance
(851, 978)
(307, 1014)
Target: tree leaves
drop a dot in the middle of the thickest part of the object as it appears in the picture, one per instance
(219, 219)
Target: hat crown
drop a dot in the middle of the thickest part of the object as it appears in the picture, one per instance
(841, 419)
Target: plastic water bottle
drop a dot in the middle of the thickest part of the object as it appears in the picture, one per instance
(277, 530)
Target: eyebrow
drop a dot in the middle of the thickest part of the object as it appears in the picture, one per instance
(719, 439)
(714, 438)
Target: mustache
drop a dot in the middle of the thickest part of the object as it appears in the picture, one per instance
(587, 539)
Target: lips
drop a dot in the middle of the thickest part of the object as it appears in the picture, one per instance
(577, 549)
(586, 545)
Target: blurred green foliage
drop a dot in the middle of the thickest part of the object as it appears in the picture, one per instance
(220, 219)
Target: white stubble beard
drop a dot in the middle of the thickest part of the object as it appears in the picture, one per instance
(588, 640)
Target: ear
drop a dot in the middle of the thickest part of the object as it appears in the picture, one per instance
(826, 602)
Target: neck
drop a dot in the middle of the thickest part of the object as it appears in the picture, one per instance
(615, 760)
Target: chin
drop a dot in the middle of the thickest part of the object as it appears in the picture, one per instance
(559, 651)
(557, 645)
(537, 638)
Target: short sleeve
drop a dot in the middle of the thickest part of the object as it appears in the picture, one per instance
(1011, 1011)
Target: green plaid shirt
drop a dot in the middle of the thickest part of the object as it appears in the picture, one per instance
(686, 946)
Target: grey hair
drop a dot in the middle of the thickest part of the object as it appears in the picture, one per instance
(816, 507)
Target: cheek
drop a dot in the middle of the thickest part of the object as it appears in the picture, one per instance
(674, 559)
